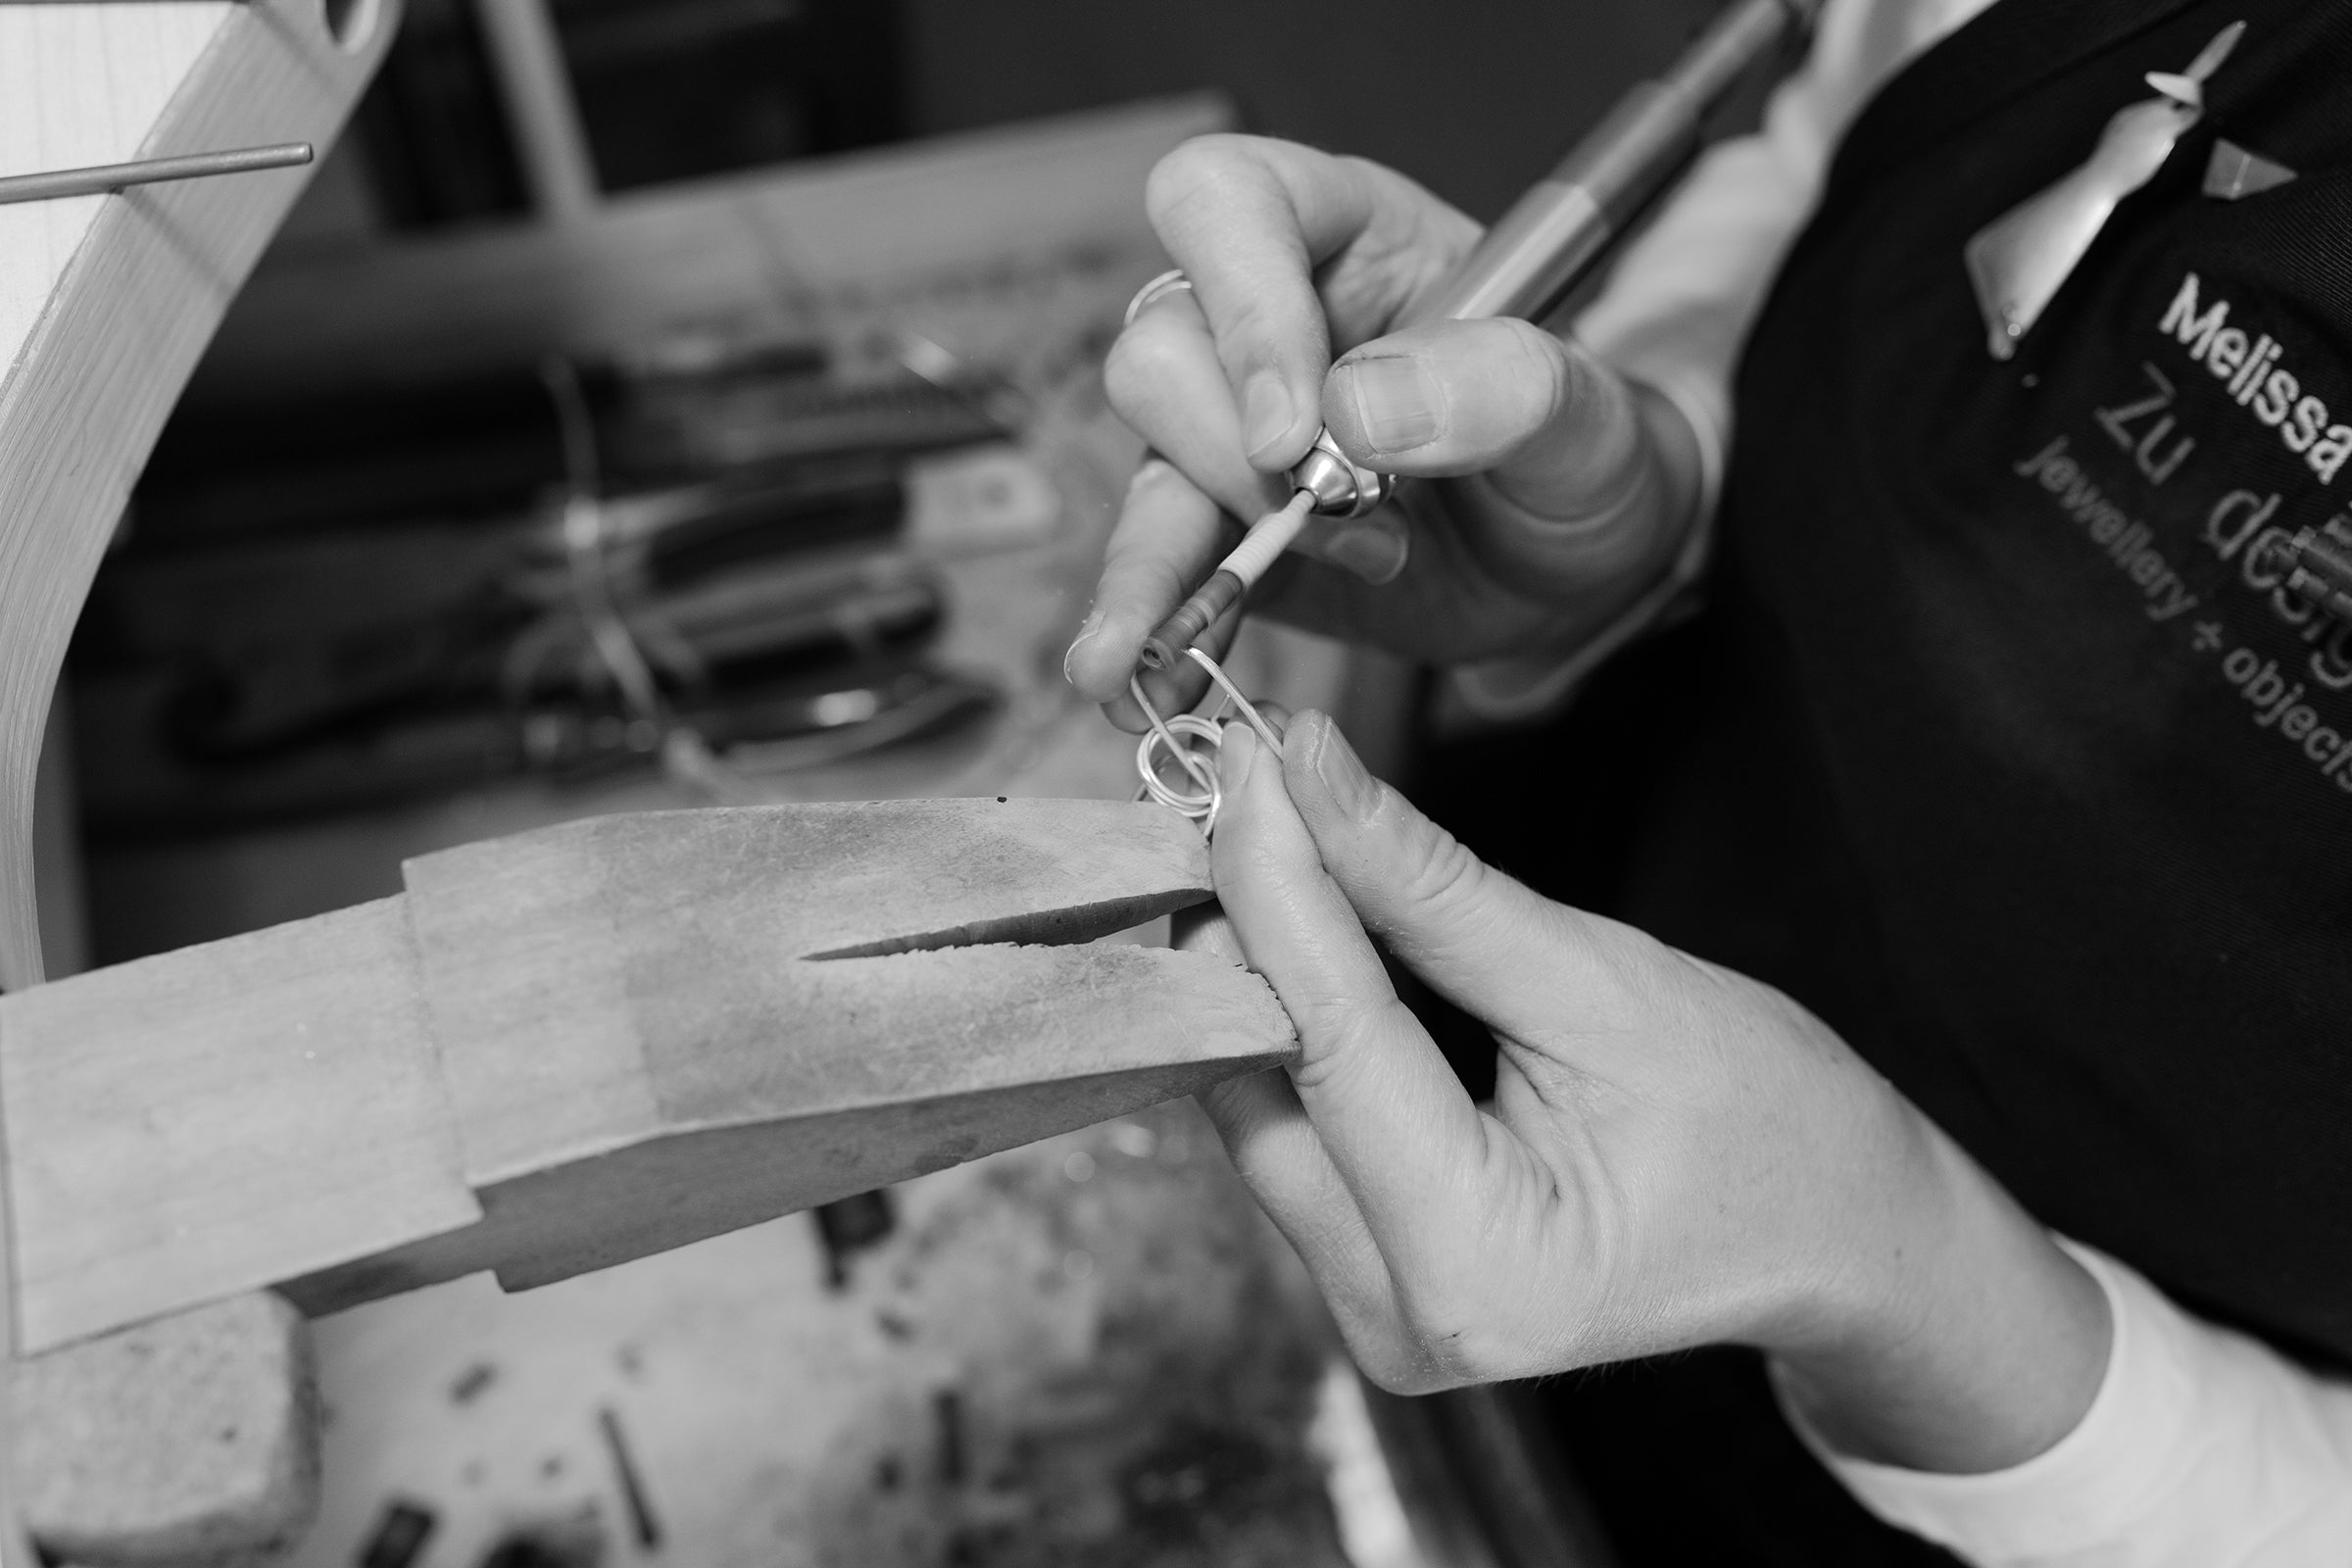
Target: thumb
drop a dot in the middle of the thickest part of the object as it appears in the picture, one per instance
(1484, 941)
(1556, 430)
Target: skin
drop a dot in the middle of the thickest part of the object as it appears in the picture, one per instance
(1571, 490)
(1676, 1155)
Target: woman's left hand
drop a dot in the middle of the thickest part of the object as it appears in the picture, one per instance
(1675, 1155)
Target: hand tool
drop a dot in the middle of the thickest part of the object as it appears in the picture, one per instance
(1552, 238)
(564, 1050)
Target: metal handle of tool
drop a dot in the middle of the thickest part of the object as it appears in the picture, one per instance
(1552, 238)
(1570, 221)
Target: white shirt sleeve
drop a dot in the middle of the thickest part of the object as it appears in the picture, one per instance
(1681, 297)
(2203, 1449)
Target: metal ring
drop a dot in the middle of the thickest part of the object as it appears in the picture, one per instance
(1201, 807)
(1171, 281)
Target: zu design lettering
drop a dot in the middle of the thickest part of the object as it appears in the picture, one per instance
(2239, 529)
(2122, 422)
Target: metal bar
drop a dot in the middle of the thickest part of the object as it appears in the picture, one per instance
(528, 56)
(1570, 220)
(103, 177)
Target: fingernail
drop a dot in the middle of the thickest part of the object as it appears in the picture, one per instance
(1150, 472)
(1375, 553)
(1397, 403)
(1342, 774)
(1267, 412)
(1237, 751)
(1092, 624)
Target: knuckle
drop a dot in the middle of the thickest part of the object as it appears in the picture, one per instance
(1403, 1376)
(1195, 171)
(1142, 361)
(1362, 176)
(1158, 496)
(1442, 873)
(1545, 375)
(1249, 334)
(1261, 326)
(1336, 1031)
(1385, 1352)
(1148, 578)
(1460, 1346)
(1589, 393)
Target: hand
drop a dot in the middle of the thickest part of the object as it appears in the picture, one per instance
(1675, 1155)
(1582, 487)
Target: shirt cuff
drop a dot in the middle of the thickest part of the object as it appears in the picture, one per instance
(2098, 1484)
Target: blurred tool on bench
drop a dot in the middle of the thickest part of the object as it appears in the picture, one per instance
(355, 600)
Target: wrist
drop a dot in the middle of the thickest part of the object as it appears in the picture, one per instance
(1958, 1337)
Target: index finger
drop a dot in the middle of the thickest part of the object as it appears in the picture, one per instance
(1248, 220)
(1428, 1169)
(1169, 534)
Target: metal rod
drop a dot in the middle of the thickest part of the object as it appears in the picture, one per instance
(1235, 575)
(1570, 221)
(1552, 238)
(1557, 234)
(534, 84)
(104, 177)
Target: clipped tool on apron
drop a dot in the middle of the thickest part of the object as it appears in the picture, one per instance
(2019, 260)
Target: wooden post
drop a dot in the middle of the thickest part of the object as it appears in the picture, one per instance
(105, 304)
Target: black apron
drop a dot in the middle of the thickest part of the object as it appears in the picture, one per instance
(2002, 745)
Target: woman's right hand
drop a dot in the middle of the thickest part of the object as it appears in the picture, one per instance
(1583, 482)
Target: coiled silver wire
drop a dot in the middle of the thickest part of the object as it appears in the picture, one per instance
(1190, 741)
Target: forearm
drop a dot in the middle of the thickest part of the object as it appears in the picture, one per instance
(2202, 1449)
(2033, 1404)
(1962, 1338)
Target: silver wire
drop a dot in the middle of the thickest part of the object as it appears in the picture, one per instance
(1201, 806)
(1258, 720)
(1203, 729)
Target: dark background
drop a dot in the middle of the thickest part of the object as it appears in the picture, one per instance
(1472, 97)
